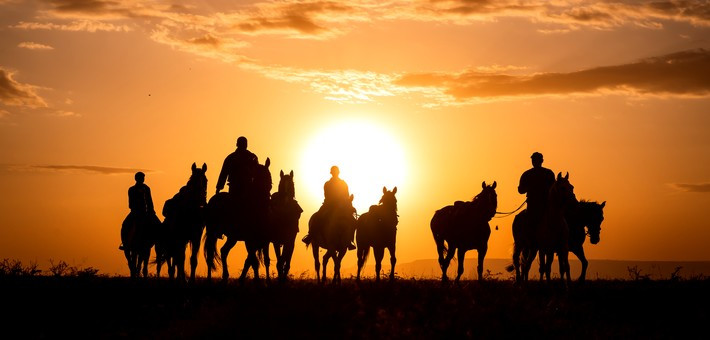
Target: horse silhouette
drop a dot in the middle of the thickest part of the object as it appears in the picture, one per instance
(590, 215)
(464, 226)
(239, 221)
(138, 235)
(184, 223)
(331, 232)
(377, 228)
(283, 225)
(550, 236)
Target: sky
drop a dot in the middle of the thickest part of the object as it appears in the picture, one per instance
(434, 97)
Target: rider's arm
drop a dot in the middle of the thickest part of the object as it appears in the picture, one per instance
(523, 186)
(223, 174)
(149, 200)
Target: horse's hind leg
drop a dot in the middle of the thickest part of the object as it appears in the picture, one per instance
(481, 256)
(224, 252)
(326, 257)
(286, 254)
(360, 259)
(267, 261)
(195, 248)
(316, 262)
(583, 259)
(563, 259)
(461, 257)
(445, 264)
(379, 253)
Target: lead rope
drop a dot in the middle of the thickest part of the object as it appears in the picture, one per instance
(506, 214)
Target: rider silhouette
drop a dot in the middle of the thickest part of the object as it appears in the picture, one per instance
(140, 202)
(536, 183)
(336, 199)
(239, 168)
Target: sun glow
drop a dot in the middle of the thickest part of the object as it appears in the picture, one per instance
(367, 155)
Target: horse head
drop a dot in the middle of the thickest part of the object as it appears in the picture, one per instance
(487, 199)
(261, 185)
(196, 187)
(562, 192)
(286, 187)
(594, 224)
(388, 199)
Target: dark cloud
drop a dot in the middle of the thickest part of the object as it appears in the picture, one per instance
(90, 168)
(679, 74)
(83, 6)
(701, 187)
(14, 93)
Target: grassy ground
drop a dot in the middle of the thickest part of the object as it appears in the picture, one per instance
(102, 307)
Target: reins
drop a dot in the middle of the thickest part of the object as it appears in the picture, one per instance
(506, 214)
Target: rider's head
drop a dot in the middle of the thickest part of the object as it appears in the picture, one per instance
(536, 159)
(242, 142)
(334, 171)
(140, 177)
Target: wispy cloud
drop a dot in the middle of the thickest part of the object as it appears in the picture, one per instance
(14, 93)
(65, 114)
(34, 46)
(88, 169)
(74, 26)
(688, 187)
(678, 74)
(4, 113)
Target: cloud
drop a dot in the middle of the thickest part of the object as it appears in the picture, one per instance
(698, 187)
(74, 26)
(678, 74)
(4, 113)
(88, 169)
(34, 46)
(208, 45)
(65, 114)
(14, 93)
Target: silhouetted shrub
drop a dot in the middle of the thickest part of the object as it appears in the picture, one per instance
(10, 267)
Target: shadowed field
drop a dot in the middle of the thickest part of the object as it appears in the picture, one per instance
(47, 307)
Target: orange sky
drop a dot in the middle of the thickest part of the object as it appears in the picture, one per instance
(615, 93)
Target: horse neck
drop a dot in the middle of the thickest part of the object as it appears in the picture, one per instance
(584, 213)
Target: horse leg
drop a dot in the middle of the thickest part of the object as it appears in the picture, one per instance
(379, 254)
(393, 260)
(267, 261)
(316, 262)
(481, 256)
(195, 249)
(563, 258)
(360, 259)
(528, 258)
(279, 261)
(516, 262)
(462, 254)
(326, 257)
(146, 258)
(445, 265)
(583, 259)
(336, 264)
(224, 252)
(286, 254)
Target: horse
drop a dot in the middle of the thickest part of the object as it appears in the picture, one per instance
(377, 228)
(244, 220)
(590, 215)
(549, 237)
(138, 235)
(184, 223)
(283, 226)
(333, 233)
(464, 226)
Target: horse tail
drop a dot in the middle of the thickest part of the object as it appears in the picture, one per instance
(365, 255)
(210, 249)
(437, 224)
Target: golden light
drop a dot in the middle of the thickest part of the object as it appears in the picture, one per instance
(368, 157)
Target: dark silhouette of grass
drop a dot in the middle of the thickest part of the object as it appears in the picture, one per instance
(108, 307)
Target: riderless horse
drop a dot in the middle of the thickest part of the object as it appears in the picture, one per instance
(283, 225)
(377, 228)
(462, 227)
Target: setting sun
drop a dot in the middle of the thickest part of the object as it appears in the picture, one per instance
(368, 156)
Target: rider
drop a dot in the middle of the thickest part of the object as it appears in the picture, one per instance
(336, 200)
(536, 183)
(140, 202)
(239, 168)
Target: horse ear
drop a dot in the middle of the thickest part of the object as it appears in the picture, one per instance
(291, 173)
(394, 191)
(281, 174)
(494, 185)
(204, 167)
(384, 190)
(352, 197)
(603, 204)
(268, 162)
(483, 184)
(567, 175)
(559, 176)
(194, 166)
